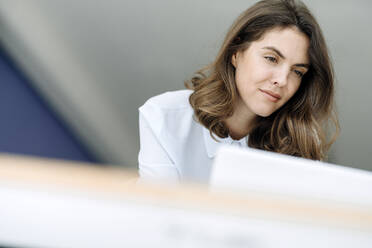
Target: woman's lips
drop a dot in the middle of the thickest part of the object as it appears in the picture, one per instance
(272, 96)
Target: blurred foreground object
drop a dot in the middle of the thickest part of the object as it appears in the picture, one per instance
(48, 203)
(247, 169)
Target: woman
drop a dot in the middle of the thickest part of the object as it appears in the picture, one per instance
(270, 87)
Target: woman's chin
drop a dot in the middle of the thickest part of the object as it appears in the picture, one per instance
(264, 113)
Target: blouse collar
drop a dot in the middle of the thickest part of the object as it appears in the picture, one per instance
(211, 145)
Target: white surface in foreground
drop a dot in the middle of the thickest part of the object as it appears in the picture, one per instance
(37, 217)
(255, 170)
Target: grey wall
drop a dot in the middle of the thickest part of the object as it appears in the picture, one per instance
(98, 61)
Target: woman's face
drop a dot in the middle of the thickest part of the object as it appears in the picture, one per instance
(269, 72)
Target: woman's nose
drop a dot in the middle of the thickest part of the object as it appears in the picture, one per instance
(281, 77)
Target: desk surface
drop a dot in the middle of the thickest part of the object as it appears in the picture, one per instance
(62, 202)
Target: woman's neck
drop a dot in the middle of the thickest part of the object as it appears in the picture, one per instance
(240, 123)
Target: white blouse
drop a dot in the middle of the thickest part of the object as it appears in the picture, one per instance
(173, 145)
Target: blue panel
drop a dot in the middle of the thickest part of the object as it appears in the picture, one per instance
(27, 124)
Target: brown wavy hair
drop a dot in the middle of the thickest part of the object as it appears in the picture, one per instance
(301, 127)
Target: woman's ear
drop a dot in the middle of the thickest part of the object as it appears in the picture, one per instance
(233, 59)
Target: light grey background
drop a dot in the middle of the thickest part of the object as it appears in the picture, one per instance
(97, 61)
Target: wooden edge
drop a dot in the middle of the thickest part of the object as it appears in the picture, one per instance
(118, 183)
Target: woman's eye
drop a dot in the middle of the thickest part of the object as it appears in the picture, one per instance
(271, 59)
(298, 73)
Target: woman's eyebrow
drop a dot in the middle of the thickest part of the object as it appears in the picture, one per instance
(307, 66)
(274, 50)
(282, 56)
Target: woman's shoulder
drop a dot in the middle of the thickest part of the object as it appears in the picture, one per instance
(171, 111)
(171, 100)
(172, 104)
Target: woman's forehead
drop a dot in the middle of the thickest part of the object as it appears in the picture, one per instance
(290, 42)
